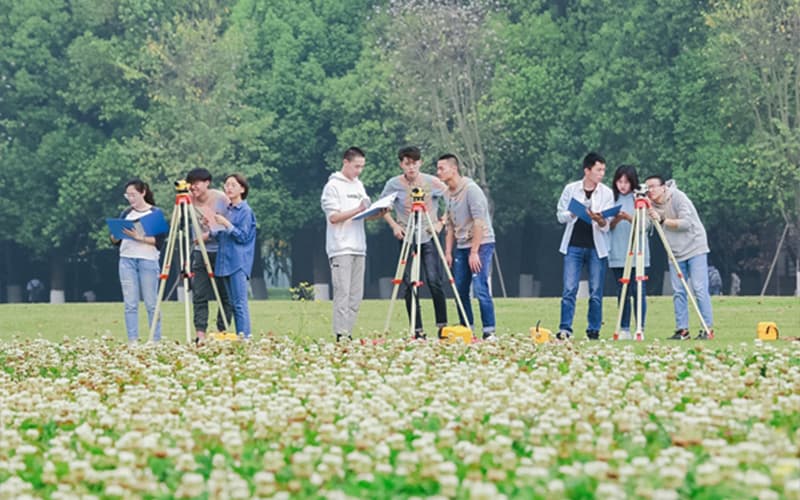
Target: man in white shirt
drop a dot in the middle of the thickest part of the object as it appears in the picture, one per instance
(584, 243)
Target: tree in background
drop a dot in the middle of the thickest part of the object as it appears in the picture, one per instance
(757, 46)
(442, 54)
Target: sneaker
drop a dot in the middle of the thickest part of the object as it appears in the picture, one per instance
(624, 335)
(420, 336)
(681, 334)
(592, 335)
(564, 335)
(489, 336)
(705, 335)
(344, 336)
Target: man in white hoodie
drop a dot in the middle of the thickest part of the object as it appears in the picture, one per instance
(345, 240)
(584, 243)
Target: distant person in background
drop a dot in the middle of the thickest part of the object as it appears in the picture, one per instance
(34, 288)
(714, 281)
(687, 238)
(207, 202)
(584, 244)
(237, 243)
(736, 284)
(625, 181)
(89, 296)
(469, 243)
(138, 260)
(430, 265)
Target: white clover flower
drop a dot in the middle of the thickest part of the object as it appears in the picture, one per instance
(665, 494)
(757, 479)
(610, 491)
(556, 486)
(27, 449)
(768, 495)
(191, 485)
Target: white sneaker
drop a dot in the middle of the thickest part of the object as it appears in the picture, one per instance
(625, 335)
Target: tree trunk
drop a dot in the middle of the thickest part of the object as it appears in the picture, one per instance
(57, 295)
(257, 283)
(12, 265)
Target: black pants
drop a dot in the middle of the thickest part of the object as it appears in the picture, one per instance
(203, 293)
(431, 274)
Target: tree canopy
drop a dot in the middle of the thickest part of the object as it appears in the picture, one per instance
(95, 93)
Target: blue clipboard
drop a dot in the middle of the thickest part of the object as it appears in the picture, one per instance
(117, 225)
(154, 224)
(579, 209)
(151, 224)
(611, 212)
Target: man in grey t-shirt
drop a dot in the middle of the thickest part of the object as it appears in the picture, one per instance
(469, 230)
(206, 202)
(431, 263)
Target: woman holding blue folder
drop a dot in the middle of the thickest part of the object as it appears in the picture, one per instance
(138, 259)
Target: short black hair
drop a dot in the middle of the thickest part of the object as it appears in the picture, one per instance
(591, 158)
(352, 153)
(198, 174)
(656, 176)
(409, 152)
(450, 156)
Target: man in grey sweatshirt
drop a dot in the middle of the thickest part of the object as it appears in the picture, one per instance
(687, 239)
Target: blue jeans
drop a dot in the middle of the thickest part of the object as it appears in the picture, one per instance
(431, 270)
(626, 307)
(574, 261)
(236, 286)
(139, 278)
(464, 276)
(695, 270)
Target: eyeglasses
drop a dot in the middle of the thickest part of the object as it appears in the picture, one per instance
(129, 196)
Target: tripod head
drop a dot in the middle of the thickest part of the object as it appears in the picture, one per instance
(181, 186)
(417, 194)
(641, 191)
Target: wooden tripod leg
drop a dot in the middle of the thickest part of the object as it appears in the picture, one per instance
(400, 270)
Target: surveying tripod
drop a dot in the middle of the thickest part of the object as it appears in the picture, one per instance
(636, 249)
(180, 232)
(413, 237)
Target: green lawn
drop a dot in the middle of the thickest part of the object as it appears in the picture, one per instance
(735, 318)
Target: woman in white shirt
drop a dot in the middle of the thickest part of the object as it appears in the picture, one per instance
(138, 260)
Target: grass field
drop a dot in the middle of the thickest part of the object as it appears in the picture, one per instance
(735, 318)
(293, 415)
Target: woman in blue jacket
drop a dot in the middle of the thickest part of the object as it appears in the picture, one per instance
(236, 235)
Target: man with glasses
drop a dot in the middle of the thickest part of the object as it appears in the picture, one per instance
(687, 238)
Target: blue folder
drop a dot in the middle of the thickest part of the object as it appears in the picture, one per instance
(151, 224)
(579, 209)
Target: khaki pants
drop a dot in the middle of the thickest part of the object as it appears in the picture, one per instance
(347, 274)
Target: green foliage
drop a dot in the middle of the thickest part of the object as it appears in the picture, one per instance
(95, 93)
